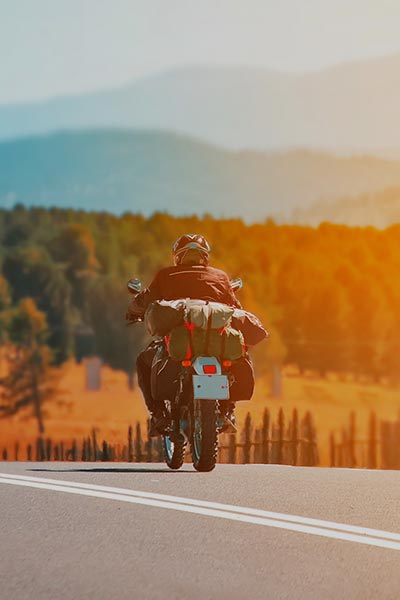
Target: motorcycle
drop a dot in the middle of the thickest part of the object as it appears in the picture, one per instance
(197, 413)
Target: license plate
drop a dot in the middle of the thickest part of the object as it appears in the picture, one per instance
(211, 387)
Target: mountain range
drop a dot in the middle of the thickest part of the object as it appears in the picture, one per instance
(381, 209)
(351, 105)
(147, 171)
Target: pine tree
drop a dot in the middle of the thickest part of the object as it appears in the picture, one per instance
(30, 380)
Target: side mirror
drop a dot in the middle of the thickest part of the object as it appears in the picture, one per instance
(236, 284)
(134, 286)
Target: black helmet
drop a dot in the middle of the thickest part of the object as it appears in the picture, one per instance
(191, 248)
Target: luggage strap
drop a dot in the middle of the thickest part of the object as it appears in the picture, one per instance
(207, 340)
(190, 327)
(223, 343)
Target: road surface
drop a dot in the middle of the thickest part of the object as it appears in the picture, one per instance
(140, 531)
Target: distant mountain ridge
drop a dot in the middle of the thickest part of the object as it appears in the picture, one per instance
(380, 209)
(145, 171)
(352, 105)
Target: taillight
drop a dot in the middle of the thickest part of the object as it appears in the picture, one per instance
(226, 363)
(186, 363)
(210, 369)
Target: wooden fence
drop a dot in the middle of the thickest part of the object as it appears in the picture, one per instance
(379, 450)
(284, 441)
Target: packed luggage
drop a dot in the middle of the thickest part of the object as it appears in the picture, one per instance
(197, 327)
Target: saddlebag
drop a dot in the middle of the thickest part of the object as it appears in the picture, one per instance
(253, 330)
(163, 315)
(188, 341)
(164, 377)
(242, 384)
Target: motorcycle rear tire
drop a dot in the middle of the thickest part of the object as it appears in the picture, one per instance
(204, 446)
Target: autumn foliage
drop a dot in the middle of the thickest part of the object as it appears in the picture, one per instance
(330, 295)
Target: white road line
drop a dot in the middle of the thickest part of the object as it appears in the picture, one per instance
(215, 505)
(329, 529)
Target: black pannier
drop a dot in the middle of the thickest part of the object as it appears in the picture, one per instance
(242, 387)
(164, 376)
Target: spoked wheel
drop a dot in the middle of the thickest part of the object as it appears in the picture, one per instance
(204, 434)
(174, 451)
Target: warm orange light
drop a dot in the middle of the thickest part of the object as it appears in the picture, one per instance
(186, 363)
(226, 363)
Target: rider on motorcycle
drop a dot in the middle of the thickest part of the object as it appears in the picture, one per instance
(190, 277)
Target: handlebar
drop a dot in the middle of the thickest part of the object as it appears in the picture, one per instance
(135, 320)
(236, 284)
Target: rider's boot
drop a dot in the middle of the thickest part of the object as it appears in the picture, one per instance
(158, 423)
(229, 424)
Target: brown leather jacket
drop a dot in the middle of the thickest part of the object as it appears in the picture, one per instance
(186, 281)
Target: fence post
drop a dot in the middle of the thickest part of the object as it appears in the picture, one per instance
(265, 437)
(29, 452)
(247, 439)
(16, 450)
(130, 443)
(138, 443)
(84, 453)
(39, 449)
(295, 436)
(352, 440)
(124, 453)
(332, 459)
(313, 442)
(74, 450)
(257, 447)
(111, 452)
(372, 442)
(89, 448)
(104, 452)
(281, 433)
(94, 442)
(310, 450)
(48, 449)
(344, 449)
(232, 449)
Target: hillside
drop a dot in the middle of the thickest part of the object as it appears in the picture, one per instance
(353, 105)
(144, 172)
(380, 209)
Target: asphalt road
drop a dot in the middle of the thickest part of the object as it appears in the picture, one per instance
(119, 531)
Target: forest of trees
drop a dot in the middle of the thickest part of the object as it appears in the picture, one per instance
(330, 295)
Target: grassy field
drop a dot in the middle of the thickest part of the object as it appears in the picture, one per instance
(111, 409)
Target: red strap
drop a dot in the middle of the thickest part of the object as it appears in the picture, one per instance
(189, 353)
(190, 327)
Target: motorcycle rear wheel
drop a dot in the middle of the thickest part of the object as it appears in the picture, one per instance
(204, 434)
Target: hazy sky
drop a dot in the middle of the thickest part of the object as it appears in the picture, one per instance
(53, 47)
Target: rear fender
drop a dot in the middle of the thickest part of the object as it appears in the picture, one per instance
(202, 361)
